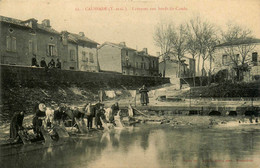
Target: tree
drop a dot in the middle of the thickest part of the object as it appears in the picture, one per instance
(162, 38)
(192, 44)
(172, 42)
(195, 34)
(178, 44)
(209, 41)
(202, 39)
(238, 42)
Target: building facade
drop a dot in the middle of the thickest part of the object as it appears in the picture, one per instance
(81, 52)
(226, 64)
(122, 59)
(174, 69)
(23, 40)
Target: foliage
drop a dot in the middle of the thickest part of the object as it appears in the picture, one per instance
(239, 43)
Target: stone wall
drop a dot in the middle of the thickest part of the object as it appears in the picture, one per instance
(37, 76)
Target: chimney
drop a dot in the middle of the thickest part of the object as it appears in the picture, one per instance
(81, 34)
(46, 23)
(122, 44)
(157, 54)
(145, 50)
(31, 23)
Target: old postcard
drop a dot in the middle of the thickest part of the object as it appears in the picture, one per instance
(129, 83)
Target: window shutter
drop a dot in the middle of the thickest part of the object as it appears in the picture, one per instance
(91, 59)
(30, 46)
(86, 56)
(8, 43)
(47, 50)
(35, 47)
(13, 44)
(55, 50)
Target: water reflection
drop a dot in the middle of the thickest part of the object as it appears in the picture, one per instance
(146, 147)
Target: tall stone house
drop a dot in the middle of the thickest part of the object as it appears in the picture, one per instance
(224, 64)
(81, 52)
(128, 61)
(22, 40)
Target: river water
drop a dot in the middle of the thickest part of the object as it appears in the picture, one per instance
(147, 147)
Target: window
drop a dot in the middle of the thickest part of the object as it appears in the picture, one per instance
(10, 43)
(136, 64)
(153, 64)
(126, 52)
(13, 44)
(72, 55)
(91, 57)
(84, 56)
(32, 47)
(51, 50)
(127, 61)
(224, 59)
(142, 65)
(11, 30)
(254, 58)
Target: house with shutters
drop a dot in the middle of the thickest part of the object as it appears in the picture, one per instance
(81, 52)
(128, 61)
(22, 40)
(241, 52)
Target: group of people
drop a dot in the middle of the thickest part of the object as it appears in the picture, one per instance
(98, 112)
(46, 116)
(43, 63)
(54, 114)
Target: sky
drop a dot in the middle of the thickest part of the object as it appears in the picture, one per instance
(132, 21)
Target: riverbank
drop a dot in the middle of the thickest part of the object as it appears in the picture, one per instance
(174, 121)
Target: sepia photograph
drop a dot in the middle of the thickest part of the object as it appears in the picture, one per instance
(129, 84)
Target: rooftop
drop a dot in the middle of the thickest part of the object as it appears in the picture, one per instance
(77, 38)
(26, 25)
(116, 45)
(240, 41)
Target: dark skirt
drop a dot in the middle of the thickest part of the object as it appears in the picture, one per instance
(144, 98)
(13, 130)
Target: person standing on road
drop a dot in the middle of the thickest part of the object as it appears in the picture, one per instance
(144, 95)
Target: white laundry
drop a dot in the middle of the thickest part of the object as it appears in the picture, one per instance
(132, 92)
(110, 94)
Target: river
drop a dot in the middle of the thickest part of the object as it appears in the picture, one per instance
(148, 147)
